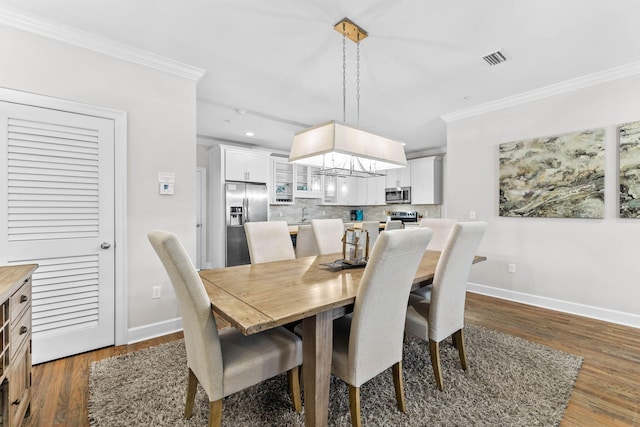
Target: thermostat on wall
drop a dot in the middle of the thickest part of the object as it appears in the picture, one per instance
(166, 188)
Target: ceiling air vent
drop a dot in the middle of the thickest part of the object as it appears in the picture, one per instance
(495, 58)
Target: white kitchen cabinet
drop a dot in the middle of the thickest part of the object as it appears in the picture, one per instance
(347, 190)
(400, 177)
(330, 190)
(426, 181)
(245, 165)
(282, 173)
(308, 183)
(340, 190)
(375, 190)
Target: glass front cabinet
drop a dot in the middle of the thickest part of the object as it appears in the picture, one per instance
(282, 188)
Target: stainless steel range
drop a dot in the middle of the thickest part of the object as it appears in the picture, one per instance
(404, 216)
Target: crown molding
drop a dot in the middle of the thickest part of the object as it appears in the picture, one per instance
(98, 44)
(547, 91)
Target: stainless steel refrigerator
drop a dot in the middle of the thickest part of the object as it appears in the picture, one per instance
(244, 203)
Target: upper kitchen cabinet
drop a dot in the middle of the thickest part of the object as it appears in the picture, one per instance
(400, 177)
(246, 165)
(375, 190)
(347, 190)
(282, 184)
(426, 181)
(308, 183)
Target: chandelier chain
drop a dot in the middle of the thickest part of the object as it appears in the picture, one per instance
(344, 73)
(358, 80)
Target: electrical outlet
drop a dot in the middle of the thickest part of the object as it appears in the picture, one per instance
(511, 268)
(156, 292)
(472, 214)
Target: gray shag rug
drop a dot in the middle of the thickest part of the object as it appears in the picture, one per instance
(510, 381)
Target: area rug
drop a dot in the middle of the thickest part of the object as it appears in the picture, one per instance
(510, 381)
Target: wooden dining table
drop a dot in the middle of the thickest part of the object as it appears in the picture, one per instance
(257, 297)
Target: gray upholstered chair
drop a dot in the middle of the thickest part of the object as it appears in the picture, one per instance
(328, 234)
(268, 241)
(222, 362)
(393, 224)
(369, 341)
(306, 242)
(441, 228)
(373, 229)
(443, 315)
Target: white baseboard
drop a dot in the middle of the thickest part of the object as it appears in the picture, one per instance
(619, 317)
(154, 330)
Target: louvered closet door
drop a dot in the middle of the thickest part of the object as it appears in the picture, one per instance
(57, 184)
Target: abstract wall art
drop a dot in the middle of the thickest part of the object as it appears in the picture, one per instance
(554, 177)
(629, 134)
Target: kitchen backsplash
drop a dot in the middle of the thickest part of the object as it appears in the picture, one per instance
(313, 210)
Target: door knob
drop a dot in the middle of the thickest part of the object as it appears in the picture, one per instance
(105, 245)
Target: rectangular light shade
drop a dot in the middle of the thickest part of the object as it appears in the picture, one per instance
(333, 144)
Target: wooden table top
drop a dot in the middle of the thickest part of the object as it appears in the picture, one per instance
(293, 229)
(256, 297)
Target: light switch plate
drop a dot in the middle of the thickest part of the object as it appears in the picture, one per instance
(166, 188)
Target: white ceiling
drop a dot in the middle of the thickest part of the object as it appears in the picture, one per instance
(280, 61)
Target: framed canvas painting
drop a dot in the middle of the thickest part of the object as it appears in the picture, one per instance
(554, 177)
(629, 152)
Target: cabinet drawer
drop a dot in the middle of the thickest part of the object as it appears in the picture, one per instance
(20, 332)
(20, 386)
(20, 300)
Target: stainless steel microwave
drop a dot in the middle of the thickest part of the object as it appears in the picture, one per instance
(397, 195)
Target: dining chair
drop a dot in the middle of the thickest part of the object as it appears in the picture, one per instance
(268, 241)
(328, 234)
(348, 225)
(393, 224)
(369, 340)
(222, 362)
(441, 228)
(306, 242)
(373, 229)
(442, 315)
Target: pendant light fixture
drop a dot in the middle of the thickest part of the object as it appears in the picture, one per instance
(338, 148)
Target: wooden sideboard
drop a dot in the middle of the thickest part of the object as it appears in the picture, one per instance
(15, 343)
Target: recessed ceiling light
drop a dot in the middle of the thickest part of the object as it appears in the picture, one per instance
(249, 133)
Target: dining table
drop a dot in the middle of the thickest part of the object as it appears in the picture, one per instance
(257, 297)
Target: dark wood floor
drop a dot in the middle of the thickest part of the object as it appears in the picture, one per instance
(607, 391)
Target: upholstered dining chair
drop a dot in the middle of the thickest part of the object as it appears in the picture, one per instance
(373, 229)
(268, 241)
(369, 341)
(441, 228)
(306, 242)
(223, 362)
(328, 234)
(393, 224)
(442, 315)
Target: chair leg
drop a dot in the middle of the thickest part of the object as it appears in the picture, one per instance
(434, 350)
(458, 337)
(354, 406)
(397, 382)
(215, 413)
(293, 375)
(191, 394)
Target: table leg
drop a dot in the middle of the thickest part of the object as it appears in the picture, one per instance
(317, 343)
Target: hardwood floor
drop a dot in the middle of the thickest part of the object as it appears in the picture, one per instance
(607, 391)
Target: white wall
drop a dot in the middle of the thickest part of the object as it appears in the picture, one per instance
(161, 114)
(585, 266)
